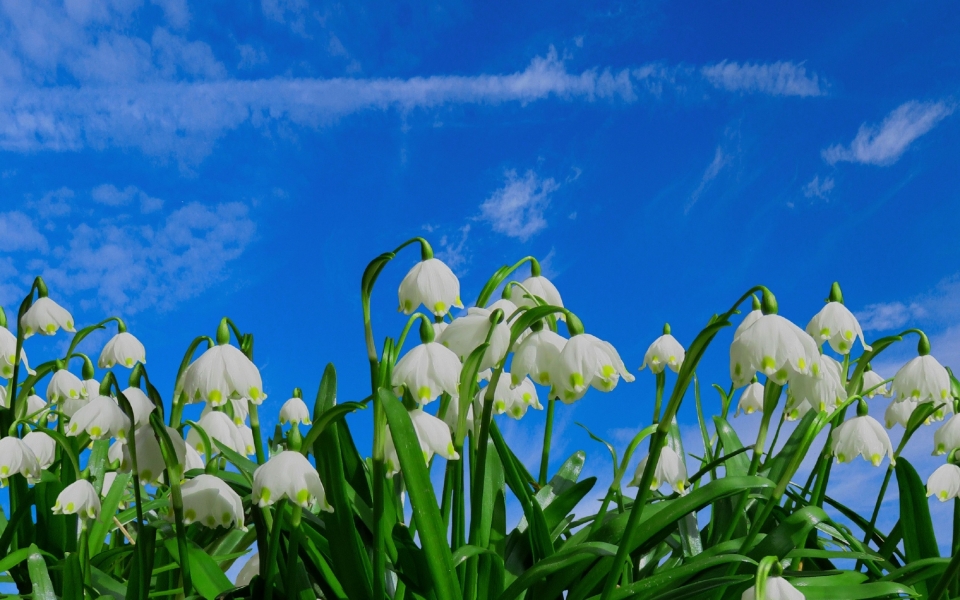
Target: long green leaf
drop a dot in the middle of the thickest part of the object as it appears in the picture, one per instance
(39, 576)
(863, 591)
(559, 561)
(206, 575)
(919, 539)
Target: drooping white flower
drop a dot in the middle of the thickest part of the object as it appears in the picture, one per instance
(944, 483)
(922, 379)
(288, 474)
(8, 351)
(466, 333)
(63, 386)
(220, 373)
(431, 283)
(240, 407)
(192, 460)
(208, 500)
(871, 381)
(140, 404)
(774, 346)
(452, 416)
(246, 434)
(947, 437)
(43, 446)
(810, 392)
(587, 361)
(898, 412)
(17, 457)
(115, 451)
(536, 356)
(101, 419)
(752, 317)
(777, 588)
(79, 498)
(539, 286)
(434, 437)
(220, 427)
(150, 463)
(249, 570)
(670, 470)
(35, 408)
(751, 400)
(837, 325)
(122, 349)
(294, 411)
(512, 401)
(427, 371)
(665, 351)
(861, 435)
(45, 317)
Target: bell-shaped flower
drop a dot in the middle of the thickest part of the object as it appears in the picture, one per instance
(431, 283)
(249, 570)
(288, 474)
(45, 317)
(536, 356)
(873, 385)
(191, 459)
(427, 371)
(837, 325)
(777, 588)
(670, 470)
(239, 406)
(36, 408)
(208, 500)
(8, 353)
(140, 404)
(220, 427)
(898, 412)
(433, 435)
(101, 419)
(17, 457)
(539, 286)
(587, 361)
(861, 435)
(71, 406)
(512, 401)
(43, 446)
(947, 437)
(665, 351)
(823, 392)
(751, 400)
(452, 416)
(150, 463)
(752, 317)
(294, 411)
(122, 349)
(220, 373)
(115, 451)
(79, 498)
(922, 379)
(246, 434)
(944, 483)
(774, 346)
(466, 333)
(64, 385)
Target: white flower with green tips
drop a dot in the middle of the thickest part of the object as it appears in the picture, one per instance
(209, 501)
(836, 325)
(140, 404)
(150, 462)
(873, 382)
(430, 282)
(122, 349)
(219, 427)
(79, 498)
(944, 483)
(433, 435)
(36, 406)
(514, 401)
(466, 333)
(246, 434)
(539, 286)
(239, 406)
(427, 371)
(17, 457)
(294, 411)
(777, 588)
(290, 475)
(670, 470)
(751, 400)
(101, 419)
(63, 386)
(898, 412)
(192, 460)
(923, 379)
(810, 392)
(452, 416)
(665, 351)
(45, 317)
(43, 446)
(536, 356)
(584, 362)
(774, 346)
(947, 437)
(864, 436)
(223, 372)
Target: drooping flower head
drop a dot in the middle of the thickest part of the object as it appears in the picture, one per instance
(63, 386)
(898, 412)
(430, 282)
(150, 462)
(670, 470)
(922, 379)
(223, 372)
(43, 446)
(208, 500)
(587, 361)
(777, 588)
(79, 498)
(512, 401)
(427, 371)
(774, 346)
(17, 457)
(836, 324)
(101, 419)
(45, 317)
(665, 351)
(122, 349)
(294, 411)
(862, 435)
(751, 400)
(944, 483)
(219, 427)
(873, 382)
(140, 404)
(947, 437)
(536, 356)
(8, 354)
(468, 332)
(810, 392)
(288, 474)
(538, 286)
(433, 435)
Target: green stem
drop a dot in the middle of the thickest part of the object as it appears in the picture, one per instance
(257, 438)
(273, 552)
(296, 514)
(661, 383)
(179, 399)
(547, 435)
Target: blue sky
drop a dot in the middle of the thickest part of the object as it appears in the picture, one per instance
(173, 162)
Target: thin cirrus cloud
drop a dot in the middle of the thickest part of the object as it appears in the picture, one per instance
(517, 208)
(775, 79)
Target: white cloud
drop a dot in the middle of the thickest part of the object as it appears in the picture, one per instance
(19, 234)
(52, 204)
(817, 188)
(251, 56)
(776, 79)
(720, 160)
(939, 307)
(884, 144)
(516, 209)
(888, 315)
(176, 12)
(111, 195)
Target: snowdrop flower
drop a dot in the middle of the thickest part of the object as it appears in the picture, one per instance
(92, 387)
(35, 406)
(79, 498)
(434, 437)
(947, 437)
(452, 416)
(208, 500)
(430, 282)
(777, 588)
(64, 385)
(223, 372)
(249, 570)
(587, 361)
(17, 457)
(466, 333)
(665, 351)
(43, 446)
(861, 435)
(150, 463)
(140, 404)
(294, 411)
(115, 451)
(809, 392)
(539, 286)
(288, 474)
(871, 380)
(45, 317)
(513, 401)
(837, 325)
(535, 356)
(427, 371)
(220, 427)
(898, 412)
(122, 349)
(944, 483)
(922, 379)
(240, 407)
(8, 351)
(774, 346)
(246, 434)
(751, 400)
(670, 470)
(101, 418)
(752, 317)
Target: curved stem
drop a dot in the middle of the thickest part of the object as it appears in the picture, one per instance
(547, 435)
(178, 400)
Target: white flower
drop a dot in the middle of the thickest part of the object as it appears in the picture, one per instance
(752, 317)
(45, 317)
(837, 325)
(140, 404)
(536, 356)
(466, 333)
(108, 478)
(947, 437)
(809, 392)
(64, 385)
(751, 400)
(922, 379)
(872, 379)
(101, 418)
(220, 427)
(539, 286)
(774, 346)
(150, 463)
(513, 401)
(288, 474)
(240, 407)
(251, 568)
(191, 459)
(79, 498)
(294, 411)
(670, 470)
(665, 351)
(208, 500)
(861, 435)
(35, 405)
(898, 412)
(43, 446)
(122, 349)
(220, 373)
(944, 483)
(115, 451)
(434, 437)
(431, 283)
(17, 457)
(587, 361)
(777, 588)
(8, 351)
(246, 434)
(452, 416)
(427, 371)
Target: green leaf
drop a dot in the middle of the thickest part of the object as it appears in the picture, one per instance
(71, 577)
(862, 591)
(39, 576)
(108, 508)
(559, 561)
(14, 558)
(206, 575)
(737, 465)
(677, 576)
(776, 466)
(246, 466)
(919, 539)
(329, 416)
